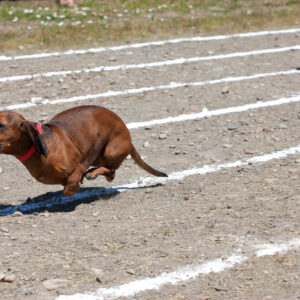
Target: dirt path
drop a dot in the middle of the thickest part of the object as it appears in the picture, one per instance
(105, 241)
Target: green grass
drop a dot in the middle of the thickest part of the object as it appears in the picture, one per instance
(44, 24)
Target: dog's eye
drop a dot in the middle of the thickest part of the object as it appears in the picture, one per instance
(2, 126)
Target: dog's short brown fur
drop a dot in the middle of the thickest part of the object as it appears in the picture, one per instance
(73, 141)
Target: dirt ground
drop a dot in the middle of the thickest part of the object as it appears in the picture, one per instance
(104, 241)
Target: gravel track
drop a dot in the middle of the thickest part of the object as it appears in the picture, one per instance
(109, 240)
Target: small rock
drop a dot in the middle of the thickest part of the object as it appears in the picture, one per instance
(172, 146)
(162, 136)
(2, 276)
(112, 58)
(191, 144)
(103, 279)
(225, 90)
(1, 170)
(147, 145)
(297, 161)
(220, 289)
(227, 146)
(37, 100)
(53, 284)
(177, 152)
(213, 159)
(130, 272)
(282, 126)
(231, 127)
(4, 229)
(9, 278)
(186, 197)
(61, 80)
(13, 66)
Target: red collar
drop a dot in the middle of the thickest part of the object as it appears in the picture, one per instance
(31, 150)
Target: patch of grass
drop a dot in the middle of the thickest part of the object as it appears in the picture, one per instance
(34, 25)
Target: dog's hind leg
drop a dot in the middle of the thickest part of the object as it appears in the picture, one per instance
(109, 174)
(111, 159)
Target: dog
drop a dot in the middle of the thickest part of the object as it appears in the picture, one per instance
(81, 142)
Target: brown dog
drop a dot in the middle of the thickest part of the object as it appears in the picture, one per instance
(62, 150)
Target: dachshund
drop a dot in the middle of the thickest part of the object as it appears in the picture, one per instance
(81, 142)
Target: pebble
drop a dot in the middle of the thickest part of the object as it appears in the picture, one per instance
(282, 126)
(53, 284)
(227, 146)
(231, 127)
(2, 276)
(130, 271)
(147, 145)
(1, 170)
(177, 152)
(4, 229)
(191, 144)
(37, 100)
(225, 90)
(297, 161)
(112, 58)
(9, 278)
(103, 279)
(172, 146)
(162, 136)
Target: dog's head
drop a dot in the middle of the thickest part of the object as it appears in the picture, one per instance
(16, 133)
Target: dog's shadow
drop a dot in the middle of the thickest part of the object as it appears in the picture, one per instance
(55, 201)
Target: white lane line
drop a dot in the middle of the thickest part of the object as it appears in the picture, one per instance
(206, 169)
(171, 85)
(171, 62)
(210, 113)
(186, 273)
(271, 249)
(148, 44)
(143, 182)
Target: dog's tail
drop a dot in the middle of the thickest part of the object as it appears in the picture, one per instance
(136, 157)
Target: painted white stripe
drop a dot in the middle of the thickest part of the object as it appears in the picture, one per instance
(181, 275)
(149, 44)
(171, 62)
(144, 182)
(271, 249)
(171, 85)
(210, 113)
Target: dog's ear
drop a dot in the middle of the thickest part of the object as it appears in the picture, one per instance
(30, 129)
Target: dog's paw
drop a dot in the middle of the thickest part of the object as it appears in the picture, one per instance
(89, 176)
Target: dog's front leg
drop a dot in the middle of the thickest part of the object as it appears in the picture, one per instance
(73, 182)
